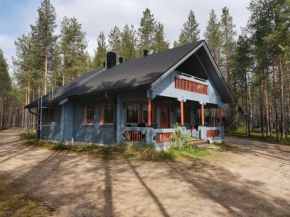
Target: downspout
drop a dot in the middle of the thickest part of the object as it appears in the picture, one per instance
(31, 111)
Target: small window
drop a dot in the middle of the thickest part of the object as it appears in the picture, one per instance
(107, 113)
(133, 113)
(153, 114)
(49, 114)
(186, 115)
(89, 114)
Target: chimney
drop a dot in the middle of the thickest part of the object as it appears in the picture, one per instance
(121, 59)
(145, 53)
(111, 59)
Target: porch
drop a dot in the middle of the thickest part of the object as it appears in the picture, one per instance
(151, 120)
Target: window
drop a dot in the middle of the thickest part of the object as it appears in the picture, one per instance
(107, 113)
(49, 113)
(153, 114)
(89, 114)
(186, 115)
(133, 113)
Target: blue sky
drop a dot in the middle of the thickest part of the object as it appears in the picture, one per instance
(97, 16)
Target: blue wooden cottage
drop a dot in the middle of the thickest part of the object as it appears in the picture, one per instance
(138, 100)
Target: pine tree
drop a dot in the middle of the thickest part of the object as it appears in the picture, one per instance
(128, 43)
(228, 46)
(228, 43)
(73, 45)
(43, 31)
(159, 42)
(242, 67)
(213, 36)
(190, 31)
(5, 88)
(100, 52)
(146, 31)
(115, 40)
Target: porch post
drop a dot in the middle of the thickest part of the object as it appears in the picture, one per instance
(149, 112)
(202, 114)
(181, 113)
(221, 116)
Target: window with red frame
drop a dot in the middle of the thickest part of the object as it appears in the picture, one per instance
(89, 114)
(107, 113)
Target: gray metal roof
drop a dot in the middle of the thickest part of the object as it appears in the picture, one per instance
(142, 71)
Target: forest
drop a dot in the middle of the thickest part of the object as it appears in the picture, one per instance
(255, 64)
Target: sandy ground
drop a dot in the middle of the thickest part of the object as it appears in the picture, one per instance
(248, 179)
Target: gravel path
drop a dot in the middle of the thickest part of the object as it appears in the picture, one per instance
(247, 179)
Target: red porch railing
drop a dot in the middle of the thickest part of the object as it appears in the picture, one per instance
(212, 133)
(164, 137)
(135, 136)
(191, 86)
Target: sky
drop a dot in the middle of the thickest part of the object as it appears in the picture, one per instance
(97, 15)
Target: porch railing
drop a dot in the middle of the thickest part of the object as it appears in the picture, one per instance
(164, 137)
(135, 136)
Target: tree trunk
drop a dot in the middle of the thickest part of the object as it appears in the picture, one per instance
(261, 105)
(45, 72)
(275, 99)
(281, 94)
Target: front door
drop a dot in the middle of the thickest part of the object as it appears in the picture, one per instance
(164, 116)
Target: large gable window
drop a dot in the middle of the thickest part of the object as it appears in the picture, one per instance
(89, 114)
(107, 113)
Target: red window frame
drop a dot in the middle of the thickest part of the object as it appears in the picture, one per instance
(140, 104)
(103, 113)
(85, 114)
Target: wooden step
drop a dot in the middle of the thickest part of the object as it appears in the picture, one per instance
(199, 143)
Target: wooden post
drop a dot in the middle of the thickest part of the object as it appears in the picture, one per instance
(202, 114)
(221, 116)
(149, 112)
(181, 113)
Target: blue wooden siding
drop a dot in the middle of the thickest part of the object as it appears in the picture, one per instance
(167, 88)
(51, 128)
(96, 133)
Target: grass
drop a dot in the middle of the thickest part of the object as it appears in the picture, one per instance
(3, 128)
(13, 203)
(257, 136)
(122, 151)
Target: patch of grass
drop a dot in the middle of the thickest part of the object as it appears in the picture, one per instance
(27, 135)
(257, 136)
(15, 203)
(122, 151)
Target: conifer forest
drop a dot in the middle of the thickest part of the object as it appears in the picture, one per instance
(255, 64)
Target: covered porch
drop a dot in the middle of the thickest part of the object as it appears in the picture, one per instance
(151, 120)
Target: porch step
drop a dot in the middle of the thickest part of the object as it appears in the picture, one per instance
(199, 143)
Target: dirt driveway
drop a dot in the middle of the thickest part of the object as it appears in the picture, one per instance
(248, 179)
